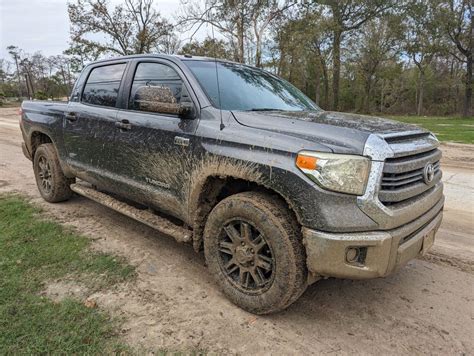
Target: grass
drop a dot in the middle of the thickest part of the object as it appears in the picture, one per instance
(447, 129)
(34, 251)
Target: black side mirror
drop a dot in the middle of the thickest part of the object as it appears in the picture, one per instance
(187, 110)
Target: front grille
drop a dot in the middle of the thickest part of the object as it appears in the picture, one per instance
(403, 177)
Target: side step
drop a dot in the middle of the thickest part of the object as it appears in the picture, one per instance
(159, 223)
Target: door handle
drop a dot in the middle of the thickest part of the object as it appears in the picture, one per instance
(181, 141)
(71, 116)
(123, 125)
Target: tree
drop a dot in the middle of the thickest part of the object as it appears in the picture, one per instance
(377, 44)
(262, 14)
(236, 20)
(210, 47)
(422, 40)
(346, 17)
(456, 17)
(15, 53)
(129, 28)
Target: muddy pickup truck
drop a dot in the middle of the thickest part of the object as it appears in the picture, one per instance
(238, 162)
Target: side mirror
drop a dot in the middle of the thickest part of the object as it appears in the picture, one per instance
(160, 99)
(186, 110)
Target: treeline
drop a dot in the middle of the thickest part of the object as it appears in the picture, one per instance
(370, 56)
(26, 75)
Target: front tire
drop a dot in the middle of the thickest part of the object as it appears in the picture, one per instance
(52, 184)
(254, 250)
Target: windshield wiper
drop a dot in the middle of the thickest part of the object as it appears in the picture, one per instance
(264, 109)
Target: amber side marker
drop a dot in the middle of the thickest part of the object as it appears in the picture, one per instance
(306, 162)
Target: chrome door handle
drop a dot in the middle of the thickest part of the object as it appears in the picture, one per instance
(123, 125)
(71, 116)
(181, 141)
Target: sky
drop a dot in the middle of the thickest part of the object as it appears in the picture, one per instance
(43, 25)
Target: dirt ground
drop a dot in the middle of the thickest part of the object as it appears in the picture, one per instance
(426, 308)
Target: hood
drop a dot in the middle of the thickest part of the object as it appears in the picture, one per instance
(341, 132)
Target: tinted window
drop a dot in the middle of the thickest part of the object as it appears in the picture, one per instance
(148, 78)
(103, 84)
(247, 88)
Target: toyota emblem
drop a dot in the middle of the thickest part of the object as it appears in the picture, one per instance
(428, 173)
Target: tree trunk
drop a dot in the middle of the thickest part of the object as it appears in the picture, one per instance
(368, 87)
(317, 89)
(419, 109)
(382, 93)
(18, 76)
(240, 34)
(258, 50)
(467, 107)
(336, 43)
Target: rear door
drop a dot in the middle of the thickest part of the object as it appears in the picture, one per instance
(154, 153)
(89, 122)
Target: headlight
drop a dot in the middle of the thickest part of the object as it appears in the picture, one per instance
(340, 173)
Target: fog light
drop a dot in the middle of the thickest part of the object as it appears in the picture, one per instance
(352, 254)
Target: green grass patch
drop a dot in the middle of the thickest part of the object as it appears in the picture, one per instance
(34, 251)
(452, 129)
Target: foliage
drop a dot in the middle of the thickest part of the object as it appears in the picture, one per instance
(41, 95)
(371, 56)
(33, 252)
(208, 48)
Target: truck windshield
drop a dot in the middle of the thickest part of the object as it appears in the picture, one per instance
(248, 89)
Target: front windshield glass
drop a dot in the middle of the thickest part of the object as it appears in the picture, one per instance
(246, 88)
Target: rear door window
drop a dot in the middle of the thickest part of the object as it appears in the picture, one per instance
(103, 85)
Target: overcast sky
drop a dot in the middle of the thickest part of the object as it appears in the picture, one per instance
(43, 25)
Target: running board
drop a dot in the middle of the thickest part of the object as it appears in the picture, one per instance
(146, 217)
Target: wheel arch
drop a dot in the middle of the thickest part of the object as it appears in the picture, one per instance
(215, 188)
(38, 138)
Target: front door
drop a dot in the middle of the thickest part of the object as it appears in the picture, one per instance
(153, 150)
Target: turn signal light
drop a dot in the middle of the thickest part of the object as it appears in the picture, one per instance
(306, 162)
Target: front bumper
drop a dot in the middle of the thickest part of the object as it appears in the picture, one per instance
(378, 253)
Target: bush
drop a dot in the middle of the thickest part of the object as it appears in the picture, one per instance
(41, 95)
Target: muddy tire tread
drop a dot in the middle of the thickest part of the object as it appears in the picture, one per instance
(284, 221)
(61, 189)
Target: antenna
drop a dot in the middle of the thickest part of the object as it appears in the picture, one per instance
(217, 75)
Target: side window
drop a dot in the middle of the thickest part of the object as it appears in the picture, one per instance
(157, 88)
(103, 84)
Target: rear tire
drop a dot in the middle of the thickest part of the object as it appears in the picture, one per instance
(254, 250)
(52, 184)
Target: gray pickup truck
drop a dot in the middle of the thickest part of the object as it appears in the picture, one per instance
(277, 192)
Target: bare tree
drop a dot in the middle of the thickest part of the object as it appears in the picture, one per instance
(15, 53)
(129, 28)
(237, 20)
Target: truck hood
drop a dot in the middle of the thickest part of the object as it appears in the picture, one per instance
(340, 132)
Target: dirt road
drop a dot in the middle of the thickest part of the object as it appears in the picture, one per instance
(428, 307)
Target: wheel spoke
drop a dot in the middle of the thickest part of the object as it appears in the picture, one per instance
(244, 278)
(259, 242)
(266, 263)
(226, 247)
(257, 277)
(245, 232)
(231, 266)
(233, 234)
